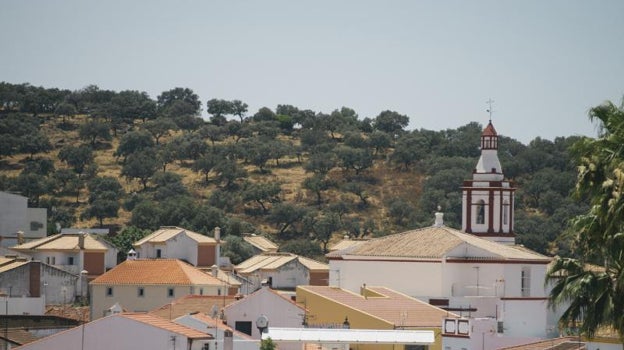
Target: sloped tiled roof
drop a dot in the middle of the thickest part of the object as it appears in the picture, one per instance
(489, 130)
(68, 242)
(386, 304)
(167, 325)
(192, 303)
(436, 243)
(211, 323)
(261, 243)
(347, 243)
(156, 271)
(165, 233)
(7, 264)
(273, 261)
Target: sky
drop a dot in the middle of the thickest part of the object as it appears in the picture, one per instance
(543, 63)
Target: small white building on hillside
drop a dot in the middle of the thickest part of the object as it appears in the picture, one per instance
(170, 242)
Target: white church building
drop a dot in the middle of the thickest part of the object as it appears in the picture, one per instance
(478, 272)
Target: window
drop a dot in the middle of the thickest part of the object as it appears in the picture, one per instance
(505, 212)
(70, 260)
(48, 260)
(415, 347)
(481, 212)
(158, 253)
(141, 292)
(109, 291)
(170, 293)
(243, 326)
(525, 281)
(201, 291)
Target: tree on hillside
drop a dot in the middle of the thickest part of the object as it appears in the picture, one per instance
(65, 110)
(237, 249)
(104, 196)
(594, 297)
(159, 127)
(141, 165)
(239, 108)
(77, 157)
(123, 240)
(93, 130)
(262, 193)
(390, 122)
(167, 99)
(323, 227)
(134, 141)
(286, 215)
(219, 109)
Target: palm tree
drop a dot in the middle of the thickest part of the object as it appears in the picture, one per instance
(591, 287)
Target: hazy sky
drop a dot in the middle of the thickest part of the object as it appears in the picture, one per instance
(544, 63)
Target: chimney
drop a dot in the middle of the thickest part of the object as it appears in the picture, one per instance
(217, 234)
(439, 218)
(81, 240)
(214, 270)
(228, 340)
(363, 290)
(132, 255)
(20, 237)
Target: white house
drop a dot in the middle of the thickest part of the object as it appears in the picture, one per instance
(280, 310)
(281, 271)
(143, 285)
(125, 331)
(480, 274)
(33, 284)
(73, 253)
(171, 242)
(221, 332)
(15, 216)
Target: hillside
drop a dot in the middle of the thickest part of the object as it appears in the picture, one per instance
(103, 158)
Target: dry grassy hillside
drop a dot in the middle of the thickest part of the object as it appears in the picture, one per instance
(386, 181)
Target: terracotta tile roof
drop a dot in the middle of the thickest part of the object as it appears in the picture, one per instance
(386, 304)
(565, 343)
(155, 271)
(78, 313)
(489, 130)
(167, 325)
(436, 243)
(261, 243)
(222, 276)
(192, 303)
(65, 242)
(273, 261)
(165, 233)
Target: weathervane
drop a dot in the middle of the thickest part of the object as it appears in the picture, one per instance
(490, 110)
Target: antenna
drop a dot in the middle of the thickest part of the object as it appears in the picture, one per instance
(490, 110)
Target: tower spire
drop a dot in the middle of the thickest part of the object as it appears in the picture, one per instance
(490, 110)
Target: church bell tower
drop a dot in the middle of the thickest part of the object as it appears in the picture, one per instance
(488, 199)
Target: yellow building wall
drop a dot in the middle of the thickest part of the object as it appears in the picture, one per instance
(323, 311)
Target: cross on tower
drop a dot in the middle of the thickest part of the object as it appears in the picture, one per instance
(490, 110)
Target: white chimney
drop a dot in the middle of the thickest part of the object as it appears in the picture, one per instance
(439, 218)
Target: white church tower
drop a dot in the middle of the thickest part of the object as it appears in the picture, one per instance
(488, 199)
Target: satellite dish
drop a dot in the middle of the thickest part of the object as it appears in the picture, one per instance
(262, 323)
